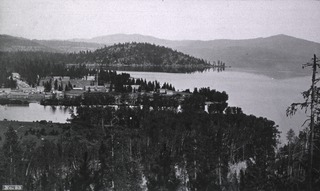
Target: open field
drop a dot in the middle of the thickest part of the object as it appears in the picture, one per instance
(35, 131)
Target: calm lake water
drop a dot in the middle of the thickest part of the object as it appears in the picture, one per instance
(35, 112)
(256, 94)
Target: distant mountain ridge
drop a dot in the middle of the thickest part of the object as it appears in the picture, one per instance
(123, 38)
(279, 53)
(12, 44)
(68, 46)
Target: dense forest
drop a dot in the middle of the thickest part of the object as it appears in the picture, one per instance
(158, 147)
(154, 147)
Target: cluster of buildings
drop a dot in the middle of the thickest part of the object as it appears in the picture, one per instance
(22, 91)
(78, 86)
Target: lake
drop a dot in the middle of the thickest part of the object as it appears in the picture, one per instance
(35, 112)
(256, 94)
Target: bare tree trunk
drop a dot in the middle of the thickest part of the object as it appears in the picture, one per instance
(220, 179)
(311, 145)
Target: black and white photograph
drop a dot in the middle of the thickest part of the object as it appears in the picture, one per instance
(160, 95)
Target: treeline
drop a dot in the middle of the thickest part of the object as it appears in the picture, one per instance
(34, 65)
(5, 101)
(154, 147)
(158, 147)
(293, 161)
(165, 147)
(298, 161)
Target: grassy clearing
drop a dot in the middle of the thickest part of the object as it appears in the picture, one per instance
(35, 131)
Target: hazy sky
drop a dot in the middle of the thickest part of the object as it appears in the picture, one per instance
(168, 19)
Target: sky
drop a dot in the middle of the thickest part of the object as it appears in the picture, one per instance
(166, 19)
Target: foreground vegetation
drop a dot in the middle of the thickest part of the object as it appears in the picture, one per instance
(160, 149)
(136, 148)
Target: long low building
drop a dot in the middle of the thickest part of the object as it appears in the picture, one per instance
(74, 93)
(18, 95)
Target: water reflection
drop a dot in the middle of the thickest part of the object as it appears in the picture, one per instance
(35, 112)
(53, 109)
(167, 69)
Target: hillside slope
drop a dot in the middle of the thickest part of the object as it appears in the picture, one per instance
(13, 44)
(279, 52)
(140, 54)
(69, 46)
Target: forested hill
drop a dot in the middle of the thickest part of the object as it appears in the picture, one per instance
(140, 54)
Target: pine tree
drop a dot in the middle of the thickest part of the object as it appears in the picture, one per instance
(55, 84)
(311, 103)
(12, 153)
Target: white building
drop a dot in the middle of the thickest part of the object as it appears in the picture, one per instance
(95, 88)
(61, 78)
(89, 78)
(40, 89)
(15, 76)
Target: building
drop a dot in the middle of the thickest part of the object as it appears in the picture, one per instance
(27, 89)
(59, 94)
(18, 95)
(80, 83)
(36, 96)
(169, 92)
(22, 84)
(165, 91)
(207, 105)
(95, 88)
(162, 91)
(61, 78)
(15, 76)
(78, 88)
(73, 93)
(89, 78)
(135, 88)
(40, 89)
(47, 95)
